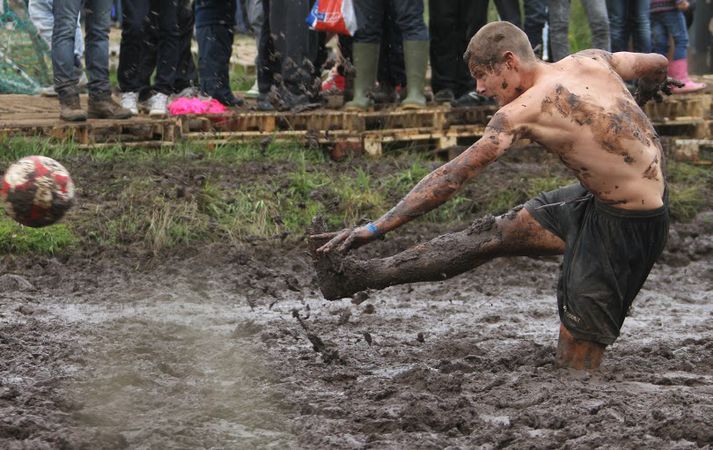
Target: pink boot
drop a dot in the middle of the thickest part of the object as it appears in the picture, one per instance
(678, 70)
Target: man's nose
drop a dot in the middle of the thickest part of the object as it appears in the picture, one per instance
(479, 89)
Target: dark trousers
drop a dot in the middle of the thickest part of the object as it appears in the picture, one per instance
(452, 25)
(391, 70)
(535, 19)
(408, 17)
(214, 33)
(288, 48)
(627, 18)
(509, 11)
(150, 28)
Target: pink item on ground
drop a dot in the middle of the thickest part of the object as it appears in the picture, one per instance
(195, 106)
(678, 70)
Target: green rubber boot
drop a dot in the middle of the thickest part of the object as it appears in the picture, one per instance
(415, 60)
(366, 58)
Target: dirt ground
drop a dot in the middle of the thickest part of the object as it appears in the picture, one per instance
(234, 348)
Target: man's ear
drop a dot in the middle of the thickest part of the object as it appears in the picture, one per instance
(509, 59)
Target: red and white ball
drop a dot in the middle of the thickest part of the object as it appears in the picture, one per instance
(37, 191)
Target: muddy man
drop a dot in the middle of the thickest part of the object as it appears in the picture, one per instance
(610, 227)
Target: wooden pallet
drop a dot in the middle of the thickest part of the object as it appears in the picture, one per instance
(97, 132)
(680, 107)
(374, 141)
(688, 127)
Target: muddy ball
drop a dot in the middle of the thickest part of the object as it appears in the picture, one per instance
(37, 191)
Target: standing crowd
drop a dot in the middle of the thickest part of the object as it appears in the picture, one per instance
(385, 61)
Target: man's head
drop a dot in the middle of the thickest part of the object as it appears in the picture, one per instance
(500, 59)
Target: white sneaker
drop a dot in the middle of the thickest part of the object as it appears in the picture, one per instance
(47, 91)
(130, 100)
(253, 92)
(157, 104)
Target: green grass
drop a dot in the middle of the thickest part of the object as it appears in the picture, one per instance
(17, 239)
(195, 194)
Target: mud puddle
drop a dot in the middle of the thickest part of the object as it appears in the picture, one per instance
(207, 352)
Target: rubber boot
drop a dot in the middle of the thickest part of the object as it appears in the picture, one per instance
(415, 60)
(678, 70)
(366, 59)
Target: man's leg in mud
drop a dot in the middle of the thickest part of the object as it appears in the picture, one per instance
(516, 233)
(573, 353)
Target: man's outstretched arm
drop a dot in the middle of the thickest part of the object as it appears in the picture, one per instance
(434, 189)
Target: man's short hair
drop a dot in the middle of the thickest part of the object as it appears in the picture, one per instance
(492, 41)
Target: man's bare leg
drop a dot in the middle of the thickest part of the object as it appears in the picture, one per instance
(516, 233)
(573, 353)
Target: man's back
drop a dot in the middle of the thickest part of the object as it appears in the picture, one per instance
(580, 109)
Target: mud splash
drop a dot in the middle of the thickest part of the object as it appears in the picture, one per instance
(206, 352)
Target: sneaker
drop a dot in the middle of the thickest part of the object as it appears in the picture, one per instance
(71, 110)
(470, 99)
(158, 104)
(253, 92)
(130, 101)
(444, 96)
(47, 91)
(102, 106)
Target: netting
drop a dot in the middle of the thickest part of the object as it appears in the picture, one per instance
(25, 62)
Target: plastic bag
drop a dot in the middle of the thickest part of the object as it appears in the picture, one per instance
(333, 16)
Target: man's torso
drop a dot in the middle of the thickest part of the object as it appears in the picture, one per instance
(582, 112)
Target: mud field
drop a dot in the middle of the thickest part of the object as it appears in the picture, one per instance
(234, 348)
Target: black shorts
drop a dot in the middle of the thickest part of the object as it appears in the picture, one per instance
(608, 255)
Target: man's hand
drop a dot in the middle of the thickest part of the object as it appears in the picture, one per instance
(647, 90)
(682, 5)
(347, 239)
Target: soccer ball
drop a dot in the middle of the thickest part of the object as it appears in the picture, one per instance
(37, 191)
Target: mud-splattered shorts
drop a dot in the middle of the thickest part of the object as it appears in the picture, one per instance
(608, 255)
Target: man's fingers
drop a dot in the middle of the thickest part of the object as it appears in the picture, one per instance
(322, 236)
(346, 245)
(675, 82)
(326, 248)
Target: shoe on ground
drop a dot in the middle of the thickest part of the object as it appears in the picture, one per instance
(253, 92)
(104, 107)
(130, 101)
(71, 110)
(444, 96)
(157, 105)
(47, 91)
(229, 100)
(688, 87)
(470, 99)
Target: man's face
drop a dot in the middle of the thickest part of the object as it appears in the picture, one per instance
(499, 81)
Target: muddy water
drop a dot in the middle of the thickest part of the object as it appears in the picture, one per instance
(205, 352)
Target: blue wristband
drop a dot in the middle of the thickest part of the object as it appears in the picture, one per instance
(372, 228)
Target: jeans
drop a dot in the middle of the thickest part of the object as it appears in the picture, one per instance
(559, 26)
(673, 23)
(408, 15)
(626, 18)
(214, 33)
(535, 20)
(40, 12)
(97, 24)
(452, 25)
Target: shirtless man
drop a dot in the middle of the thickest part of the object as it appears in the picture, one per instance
(611, 226)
